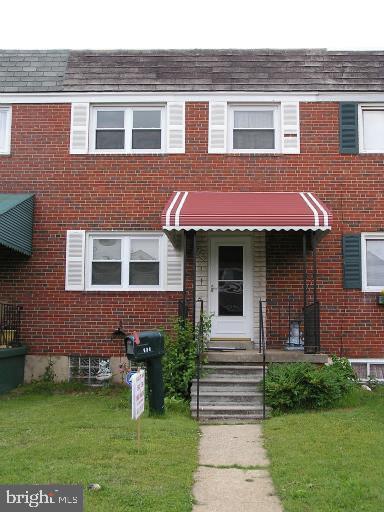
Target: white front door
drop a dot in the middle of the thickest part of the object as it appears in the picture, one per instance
(230, 287)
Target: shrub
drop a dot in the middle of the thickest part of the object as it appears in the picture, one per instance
(297, 386)
(179, 362)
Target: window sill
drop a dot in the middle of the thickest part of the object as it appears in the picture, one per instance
(375, 152)
(254, 153)
(126, 290)
(125, 153)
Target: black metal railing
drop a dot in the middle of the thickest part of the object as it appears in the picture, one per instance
(262, 348)
(288, 325)
(184, 307)
(10, 325)
(312, 328)
(183, 310)
(199, 336)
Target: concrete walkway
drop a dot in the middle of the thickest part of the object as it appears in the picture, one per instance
(233, 471)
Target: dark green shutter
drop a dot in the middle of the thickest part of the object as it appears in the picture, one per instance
(352, 261)
(349, 134)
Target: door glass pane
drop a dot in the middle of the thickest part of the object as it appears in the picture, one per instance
(375, 263)
(230, 281)
(107, 249)
(230, 263)
(230, 298)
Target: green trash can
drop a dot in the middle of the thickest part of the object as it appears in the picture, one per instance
(150, 350)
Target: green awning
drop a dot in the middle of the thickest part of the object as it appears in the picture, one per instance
(16, 222)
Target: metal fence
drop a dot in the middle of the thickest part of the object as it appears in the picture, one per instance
(288, 325)
(10, 325)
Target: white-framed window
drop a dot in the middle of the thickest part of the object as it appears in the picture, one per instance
(366, 369)
(371, 128)
(125, 262)
(127, 129)
(5, 130)
(254, 128)
(372, 261)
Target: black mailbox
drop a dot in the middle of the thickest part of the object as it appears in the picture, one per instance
(150, 350)
(151, 346)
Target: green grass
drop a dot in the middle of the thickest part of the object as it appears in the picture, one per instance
(330, 461)
(83, 438)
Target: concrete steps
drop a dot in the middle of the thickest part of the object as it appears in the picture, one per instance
(233, 370)
(229, 393)
(228, 397)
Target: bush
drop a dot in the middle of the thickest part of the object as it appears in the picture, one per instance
(179, 362)
(298, 386)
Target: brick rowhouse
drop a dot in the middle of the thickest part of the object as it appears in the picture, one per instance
(128, 192)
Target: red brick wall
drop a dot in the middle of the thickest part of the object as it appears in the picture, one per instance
(128, 193)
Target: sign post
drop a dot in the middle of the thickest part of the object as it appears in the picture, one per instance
(138, 400)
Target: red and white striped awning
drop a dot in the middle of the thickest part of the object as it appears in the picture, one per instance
(253, 211)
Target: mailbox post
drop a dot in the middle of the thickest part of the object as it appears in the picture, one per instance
(150, 350)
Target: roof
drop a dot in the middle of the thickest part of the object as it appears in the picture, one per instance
(251, 211)
(16, 222)
(23, 71)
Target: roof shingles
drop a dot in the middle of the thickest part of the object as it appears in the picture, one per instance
(190, 70)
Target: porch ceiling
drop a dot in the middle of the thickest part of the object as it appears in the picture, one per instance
(16, 222)
(245, 211)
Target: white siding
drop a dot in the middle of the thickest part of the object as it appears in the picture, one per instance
(259, 278)
(201, 270)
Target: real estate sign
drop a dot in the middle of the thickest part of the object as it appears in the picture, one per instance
(138, 394)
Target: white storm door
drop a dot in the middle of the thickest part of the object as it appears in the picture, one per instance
(230, 287)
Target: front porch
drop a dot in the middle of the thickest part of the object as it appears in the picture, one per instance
(258, 296)
(253, 357)
(254, 313)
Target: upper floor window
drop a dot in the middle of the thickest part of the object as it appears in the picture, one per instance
(371, 128)
(124, 262)
(5, 130)
(254, 129)
(372, 261)
(127, 129)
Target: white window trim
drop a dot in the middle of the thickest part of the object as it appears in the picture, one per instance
(379, 235)
(128, 120)
(361, 109)
(254, 107)
(368, 362)
(6, 150)
(125, 244)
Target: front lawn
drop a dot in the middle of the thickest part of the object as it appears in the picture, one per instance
(89, 437)
(330, 461)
